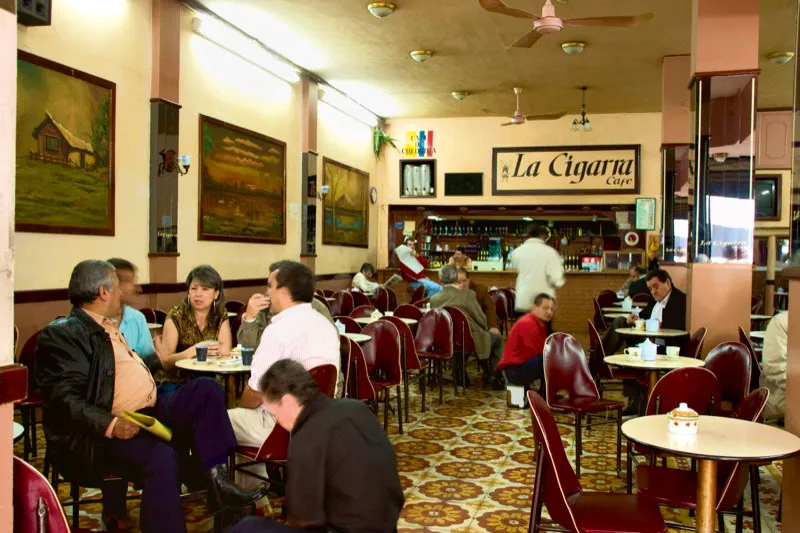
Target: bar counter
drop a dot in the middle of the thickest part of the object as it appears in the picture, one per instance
(573, 301)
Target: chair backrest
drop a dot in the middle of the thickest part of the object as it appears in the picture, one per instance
(422, 303)
(755, 305)
(325, 376)
(408, 311)
(407, 343)
(27, 358)
(234, 306)
(500, 304)
(641, 299)
(383, 352)
(149, 314)
(235, 324)
(730, 362)
(732, 477)
(320, 292)
(435, 333)
(362, 311)
(359, 385)
(695, 345)
(558, 480)
(565, 368)
(607, 298)
(462, 335)
(16, 337)
(328, 293)
(342, 303)
(696, 386)
(31, 490)
(381, 300)
(511, 299)
(599, 319)
(318, 297)
(345, 362)
(350, 325)
(755, 365)
(597, 354)
(418, 294)
(392, 300)
(359, 299)
(161, 316)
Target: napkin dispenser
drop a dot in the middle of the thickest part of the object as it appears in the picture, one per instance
(340, 327)
(375, 315)
(627, 304)
(652, 325)
(620, 295)
(648, 350)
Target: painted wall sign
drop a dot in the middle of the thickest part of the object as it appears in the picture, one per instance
(606, 169)
(419, 144)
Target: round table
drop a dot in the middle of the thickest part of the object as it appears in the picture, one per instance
(758, 335)
(614, 310)
(151, 326)
(18, 431)
(615, 315)
(633, 332)
(369, 320)
(652, 367)
(717, 439)
(213, 366)
(231, 314)
(360, 338)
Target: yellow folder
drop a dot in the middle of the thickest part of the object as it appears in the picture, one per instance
(148, 423)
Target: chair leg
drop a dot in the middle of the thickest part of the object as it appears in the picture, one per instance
(440, 369)
(629, 469)
(536, 505)
(740, 515)
(399, 410)
(75, 491)
(386, 409)
(423, 382)
(406, 390)
(26, 438)
(754, 497)
(33, 432)
(721, 523)
(578, 444)
(619, 441)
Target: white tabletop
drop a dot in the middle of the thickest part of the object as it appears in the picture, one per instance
(661, 363)
(760, 317)
(614, 310)
(615, 315)
(18, 430)
(360, 338)
(330, 298)
(758, 335)
(151, 325)
(231, 314)
(659, 333)
(368, 320)
(717, 438)
(212, 365)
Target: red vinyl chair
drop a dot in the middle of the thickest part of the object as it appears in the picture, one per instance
(161, 316)
(319, 292)
(34, 401)
(358, 384)
(694, 348)
(511, 299)
(234, 306)
(381, 300)
(607, 298)
(601, 372)
(696, 386)
(392, 299)
(463, 342)
(755, 305)
(16, 338)
(558, 488)
(566, 370)
(598, 318)
(149, 315)
(34, 495)
(327, 293)
(677, 488)
(434, 341)
(422, 303)
(322, 300)
(408, 311)
(641, 299)
(362, 311)
(382, 355)
(410, 358)
(342, 303)
(730, 362)
(501, 307)
(755, 364)
(418, 294)
(359, 298)
(350, 325)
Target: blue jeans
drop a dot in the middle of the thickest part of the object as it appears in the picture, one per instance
(526, 373)
(430, 286)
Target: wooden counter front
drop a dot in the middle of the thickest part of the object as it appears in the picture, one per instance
(573, 301)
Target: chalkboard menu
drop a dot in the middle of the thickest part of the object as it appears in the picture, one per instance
(463, 184)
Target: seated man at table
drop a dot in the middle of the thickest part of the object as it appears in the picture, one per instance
(482, 295)
(412, 267)
(523, 360)
(343, 474)
(488, 345)
(363, 280)
(132, 323)
(89, 377)
(297, 331)
(773, 365)
(635, 283)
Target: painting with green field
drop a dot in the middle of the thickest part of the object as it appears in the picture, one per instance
(65, 149)
(242, 184)
(346, 206)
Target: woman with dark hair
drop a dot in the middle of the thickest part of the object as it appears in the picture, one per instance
(200, 320)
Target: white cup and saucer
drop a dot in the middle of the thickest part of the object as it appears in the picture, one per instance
(673, 352)
(633, 353)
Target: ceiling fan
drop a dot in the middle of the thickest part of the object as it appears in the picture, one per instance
(518, 119)
(550, 23)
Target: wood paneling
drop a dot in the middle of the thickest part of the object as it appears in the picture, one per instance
(774, 140)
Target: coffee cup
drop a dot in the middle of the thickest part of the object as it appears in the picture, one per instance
(247, 356)
(639, 324)
(202, 353)
(673, 352)
(389, 313)
(633, 351)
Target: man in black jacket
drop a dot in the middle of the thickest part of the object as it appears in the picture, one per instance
(89, 377)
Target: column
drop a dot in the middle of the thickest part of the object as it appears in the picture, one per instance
(311, 183)
(791, 467)
(769, 285)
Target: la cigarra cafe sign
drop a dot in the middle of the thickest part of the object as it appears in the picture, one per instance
(607, 169)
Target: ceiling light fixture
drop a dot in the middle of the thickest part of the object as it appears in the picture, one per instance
(779, 58)
(381, 9)
(459, 95)
(335, 98)
(720, 157)
(573, 47)
(583, 121)
(421, 56)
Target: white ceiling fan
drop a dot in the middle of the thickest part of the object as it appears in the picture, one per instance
(550, 23)
(518, 118)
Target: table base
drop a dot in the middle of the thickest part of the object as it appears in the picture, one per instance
(706, 495)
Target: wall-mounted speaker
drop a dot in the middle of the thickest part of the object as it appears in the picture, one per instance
(34, 12)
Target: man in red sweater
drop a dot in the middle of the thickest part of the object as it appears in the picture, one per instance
(522, 359)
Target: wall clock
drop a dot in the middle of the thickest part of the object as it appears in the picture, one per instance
(373, 194)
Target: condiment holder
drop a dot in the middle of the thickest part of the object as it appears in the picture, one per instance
(375, 315)
(683, 420)
(649, 350)
(627, 304)
(652, 325)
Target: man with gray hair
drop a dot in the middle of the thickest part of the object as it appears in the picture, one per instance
(91, 381)
(488, 344)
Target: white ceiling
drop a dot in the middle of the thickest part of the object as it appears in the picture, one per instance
(369, 58)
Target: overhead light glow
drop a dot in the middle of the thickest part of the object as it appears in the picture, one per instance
(346, 105)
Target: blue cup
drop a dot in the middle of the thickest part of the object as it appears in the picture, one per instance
(202, 353)
(247, 356)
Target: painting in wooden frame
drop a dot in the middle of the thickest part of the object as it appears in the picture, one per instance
(242, 195)
(346, 205)
(65, 149)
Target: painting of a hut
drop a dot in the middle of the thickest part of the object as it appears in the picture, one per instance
(57, 144)
(346, 207)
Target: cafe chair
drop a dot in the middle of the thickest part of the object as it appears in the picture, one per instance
(464, 343)
(696, 386)
(417, 294)
(408, 311)
(642, 299)
(381, 300)
(149, 314)
(755, 364)
(566, 370)
(598, 318)
(730, 362)
(161, 316)
(234, 306)
(327, 293)
(319, 292)
(512, 301)
(694, 348)
(601, 372)
(34, 400)
(16, 337)
(350, 325)
(501, 308)
(322, 300)
(342, 303)
(358, 384)
(359, 298)
(672, 487)
(422, 303)
(434, 341)
(569, 506)
(392, 299)
(35, 502)
(412, 363)
(382, 355)
(755, 305)
(607, 298)
(362, 311)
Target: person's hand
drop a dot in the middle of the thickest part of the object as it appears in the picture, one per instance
(256, 303)
(124, 430)
(495, 331)
(213, 348)
(631, 319)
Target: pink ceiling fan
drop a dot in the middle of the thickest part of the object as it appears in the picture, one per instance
(518, 118)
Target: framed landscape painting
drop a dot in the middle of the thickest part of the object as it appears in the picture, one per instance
(346, 206)
(242, 185)
(65, 149)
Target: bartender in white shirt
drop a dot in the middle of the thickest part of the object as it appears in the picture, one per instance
(361, 281)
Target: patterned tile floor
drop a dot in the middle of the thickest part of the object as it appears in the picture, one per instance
(468, 466)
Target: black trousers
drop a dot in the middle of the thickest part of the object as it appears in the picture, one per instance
(261, 525)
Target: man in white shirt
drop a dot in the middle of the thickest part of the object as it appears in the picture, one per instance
(540, 269)
(362, 280)
(773, 365)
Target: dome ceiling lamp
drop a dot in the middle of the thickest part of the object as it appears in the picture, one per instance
(459, 95)
(381, 9)
(583, 121)
(780, 58)
(573, 48)
(421, 56)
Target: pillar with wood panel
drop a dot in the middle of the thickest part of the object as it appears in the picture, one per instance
(791, 467)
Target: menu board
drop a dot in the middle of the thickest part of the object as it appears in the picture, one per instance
(646, 214)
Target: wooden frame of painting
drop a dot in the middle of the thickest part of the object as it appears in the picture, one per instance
(65, 149)
(242, 185)
(348, 195)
